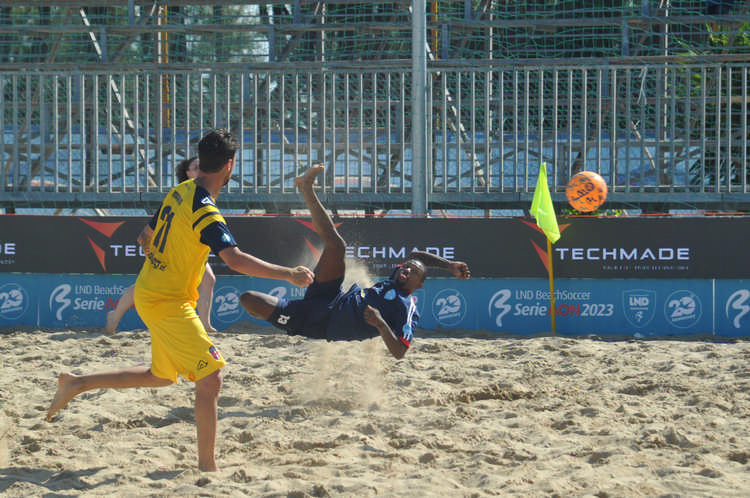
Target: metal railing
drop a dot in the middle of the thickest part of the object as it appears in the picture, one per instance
(662, 136)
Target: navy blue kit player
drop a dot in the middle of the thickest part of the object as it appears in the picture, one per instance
(326, 312)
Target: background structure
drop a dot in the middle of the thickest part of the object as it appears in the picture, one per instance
(416, 107)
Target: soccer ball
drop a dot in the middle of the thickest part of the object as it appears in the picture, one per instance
(586, 191)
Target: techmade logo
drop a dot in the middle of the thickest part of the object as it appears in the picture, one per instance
(639, 306)
(542, 252)
(499, 306)
(683, 309)
(310, 246)
(7, 252)
(738, 305)
(449, 307)
(59, 301)
(14, 301)
(226, 306)
(105, 228)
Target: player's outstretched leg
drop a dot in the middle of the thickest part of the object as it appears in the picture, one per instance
(67, 389)
(70, 385)
(331, 264)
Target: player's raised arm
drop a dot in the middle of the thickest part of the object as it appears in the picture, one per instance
(459, 269)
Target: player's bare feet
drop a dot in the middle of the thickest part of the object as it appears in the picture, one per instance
(66, 390)
(209, 328)
(307, 178)
(111, 326)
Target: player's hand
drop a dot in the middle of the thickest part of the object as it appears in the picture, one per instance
(373, 316)
(301, 276)
(460, 270)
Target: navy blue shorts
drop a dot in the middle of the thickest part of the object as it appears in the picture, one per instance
(307, 316)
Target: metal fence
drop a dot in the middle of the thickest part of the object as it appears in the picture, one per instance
(662, 136)
(99, 101)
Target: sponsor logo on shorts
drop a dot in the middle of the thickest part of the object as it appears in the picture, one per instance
(214, 353)
(202, 364)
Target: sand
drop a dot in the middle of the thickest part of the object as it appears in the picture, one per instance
(459, 416)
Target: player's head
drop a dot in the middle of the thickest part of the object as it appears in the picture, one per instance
(410, 275)
(217, 150)
(188, 168)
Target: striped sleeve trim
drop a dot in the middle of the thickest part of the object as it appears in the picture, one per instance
(205, 216)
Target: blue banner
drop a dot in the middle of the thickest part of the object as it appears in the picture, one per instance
(617, 307)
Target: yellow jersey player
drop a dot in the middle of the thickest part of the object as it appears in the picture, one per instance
(177, 240)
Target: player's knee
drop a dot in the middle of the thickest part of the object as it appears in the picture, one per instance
(210, 385)
(248, 301)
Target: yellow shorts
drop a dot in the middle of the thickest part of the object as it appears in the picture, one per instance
(180, 345)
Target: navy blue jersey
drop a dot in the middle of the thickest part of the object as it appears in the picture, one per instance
(346, 319)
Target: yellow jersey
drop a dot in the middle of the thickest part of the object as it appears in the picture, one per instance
(186, 227)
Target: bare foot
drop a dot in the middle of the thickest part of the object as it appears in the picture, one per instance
(209, 328)
(66, 390)
(111, 325)
(307, 178)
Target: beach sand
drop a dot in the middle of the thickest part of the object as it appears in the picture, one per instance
(459, 416)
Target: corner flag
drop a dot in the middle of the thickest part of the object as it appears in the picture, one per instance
(542, 209)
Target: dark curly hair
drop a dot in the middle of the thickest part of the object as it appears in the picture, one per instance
(182, 169)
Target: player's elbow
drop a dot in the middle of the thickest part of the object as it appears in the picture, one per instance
(232, 257)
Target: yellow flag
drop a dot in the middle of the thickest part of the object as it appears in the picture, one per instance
(542, 209)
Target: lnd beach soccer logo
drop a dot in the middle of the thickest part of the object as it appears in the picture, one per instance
(59, 300)
(738, 307)
(499, 306)
(639, 306)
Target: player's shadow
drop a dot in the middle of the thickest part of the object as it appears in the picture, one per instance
(59, 483)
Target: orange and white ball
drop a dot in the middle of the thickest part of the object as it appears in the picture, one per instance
(586, 191)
